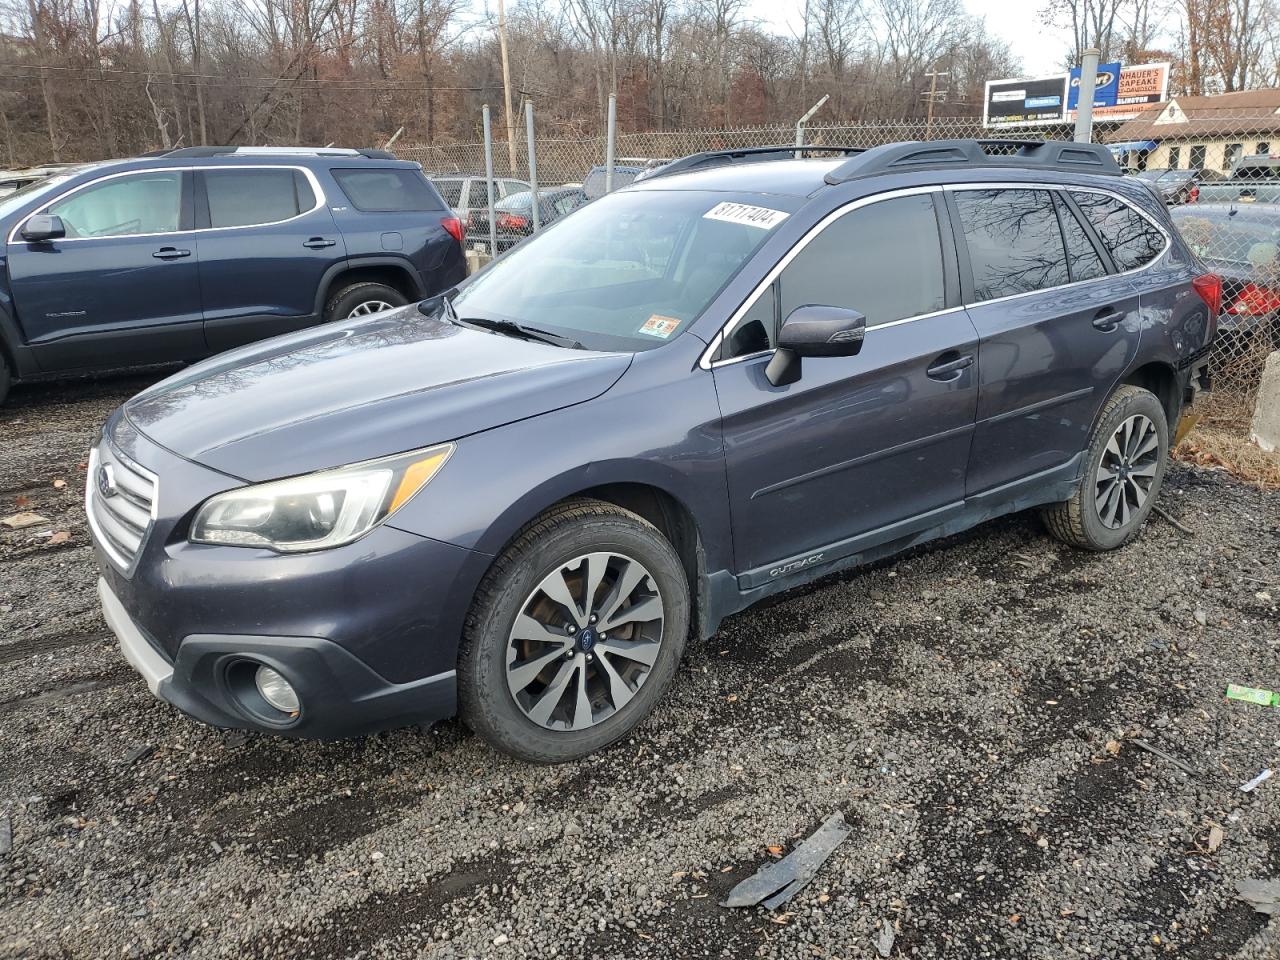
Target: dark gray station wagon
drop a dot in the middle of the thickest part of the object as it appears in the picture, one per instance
(518, 499)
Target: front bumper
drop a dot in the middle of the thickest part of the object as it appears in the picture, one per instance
(211, 680)
(367, 633)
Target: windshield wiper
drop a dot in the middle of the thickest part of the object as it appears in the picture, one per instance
(512, 328)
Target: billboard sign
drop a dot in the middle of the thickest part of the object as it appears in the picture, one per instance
(1106, 87)
(1139, 88)
(1025, 103)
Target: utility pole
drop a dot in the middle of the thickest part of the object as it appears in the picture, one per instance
(506, 86)
(932, 97)
(1084, 102)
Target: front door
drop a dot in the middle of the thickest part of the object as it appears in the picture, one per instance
(864, 449)
(121, 288)
(1057, 330)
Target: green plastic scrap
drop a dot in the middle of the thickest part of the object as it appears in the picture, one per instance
(1263, 698)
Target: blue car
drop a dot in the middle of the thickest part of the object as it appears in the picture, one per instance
(178, 256)
(518, 500)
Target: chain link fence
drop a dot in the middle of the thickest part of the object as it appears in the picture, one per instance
(1216, 175)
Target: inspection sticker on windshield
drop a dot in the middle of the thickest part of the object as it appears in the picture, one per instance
(746, 214)
(659, 326)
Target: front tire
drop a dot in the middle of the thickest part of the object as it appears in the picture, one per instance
(574, 635)
(1123, 469)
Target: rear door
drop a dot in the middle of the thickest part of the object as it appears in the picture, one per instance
(864, 449)
(122, 286)
(1056, 331)
(267, 240)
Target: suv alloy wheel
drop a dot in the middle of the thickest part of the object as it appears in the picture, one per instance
(575, 633)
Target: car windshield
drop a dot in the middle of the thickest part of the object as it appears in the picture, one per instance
(1229, 238)
(628, 272)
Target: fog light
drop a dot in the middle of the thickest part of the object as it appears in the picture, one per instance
(276, 690)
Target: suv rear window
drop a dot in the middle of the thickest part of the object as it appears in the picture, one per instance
(1014, 242)
(239, 198)
(1132, 239)
(387, 190)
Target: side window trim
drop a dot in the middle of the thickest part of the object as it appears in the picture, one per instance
(188, 178)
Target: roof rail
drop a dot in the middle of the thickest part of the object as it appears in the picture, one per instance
(1018, 154)
(719, 158)
(202, 152)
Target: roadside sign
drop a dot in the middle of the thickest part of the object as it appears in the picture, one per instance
(1105, 91)
(1139, 87)
(1025, 103)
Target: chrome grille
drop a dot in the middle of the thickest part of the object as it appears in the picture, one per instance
(120, 501)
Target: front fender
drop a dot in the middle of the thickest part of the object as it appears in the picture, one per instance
(650, 430)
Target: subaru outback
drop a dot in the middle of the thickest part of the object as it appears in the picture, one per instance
(516, 500)
(181, 255)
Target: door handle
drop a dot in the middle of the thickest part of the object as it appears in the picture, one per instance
(318, 243)
(948, 370)
(171, 253)
(1107, 319)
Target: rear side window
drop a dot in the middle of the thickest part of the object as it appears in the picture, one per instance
(450, 191)
(1082, 256)
(1132, 239)
(1014, 242)
(240, 198)
(387, 190)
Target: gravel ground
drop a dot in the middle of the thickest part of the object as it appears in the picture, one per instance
(971, 708)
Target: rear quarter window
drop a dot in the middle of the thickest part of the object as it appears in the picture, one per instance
(1133, 240)
(388, 190)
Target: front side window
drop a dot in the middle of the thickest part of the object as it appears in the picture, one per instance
(141, 203)
(628, 272)
(239, 198)
(1014, 242)
(387, 190)
(883, 260)
(1132, 239)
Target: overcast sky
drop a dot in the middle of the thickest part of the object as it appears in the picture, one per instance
(1018, 22)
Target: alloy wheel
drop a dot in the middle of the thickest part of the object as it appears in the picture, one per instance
(1127, 471)
(368, 307)
(584, 641)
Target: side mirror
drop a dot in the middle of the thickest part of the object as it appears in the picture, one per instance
(813, 330)
(42, 228)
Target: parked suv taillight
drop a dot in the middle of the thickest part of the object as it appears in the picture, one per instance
(1209, 287)
(1194, 194)
(1255, 301)
(455, 228)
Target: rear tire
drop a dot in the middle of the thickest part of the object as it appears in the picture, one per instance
(360, 299)
(1123, 469)
(549, 683)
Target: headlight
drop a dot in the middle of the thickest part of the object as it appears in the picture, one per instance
(317, 510)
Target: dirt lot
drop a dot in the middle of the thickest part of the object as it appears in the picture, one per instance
(957, 705)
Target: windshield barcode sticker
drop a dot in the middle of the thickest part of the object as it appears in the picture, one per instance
(746, 214)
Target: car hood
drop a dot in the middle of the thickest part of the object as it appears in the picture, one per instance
(353, 391)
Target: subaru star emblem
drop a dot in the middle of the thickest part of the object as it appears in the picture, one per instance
(107, 481)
